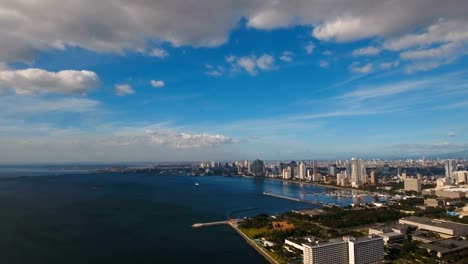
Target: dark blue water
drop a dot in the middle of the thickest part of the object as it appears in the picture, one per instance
(131, 218)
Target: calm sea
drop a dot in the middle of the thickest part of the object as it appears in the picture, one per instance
(133, 218)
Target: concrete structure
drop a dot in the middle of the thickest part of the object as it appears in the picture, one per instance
(298, 242)
(358, 173)
(445, 246)
(442, 227)
(413, 185)
(366, 250)
(330, 252)
(461, 176)
(332, 171)
(388, 234)
(439, 202)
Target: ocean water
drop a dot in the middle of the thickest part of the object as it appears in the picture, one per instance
(133, 218)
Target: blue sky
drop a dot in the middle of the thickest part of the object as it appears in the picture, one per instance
(138, 81)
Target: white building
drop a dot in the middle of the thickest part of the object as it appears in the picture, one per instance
(358, 172)
(461, 176)
(330, 252)
(413, 185)
(287, 173)
(365, 250)
(302, 170)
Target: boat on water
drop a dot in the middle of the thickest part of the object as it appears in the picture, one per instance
(196, 184)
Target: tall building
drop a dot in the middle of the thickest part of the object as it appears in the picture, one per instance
(450, 167)
(412, 185)
(287, 173)
(330, 252)
(302, 171)
(257, 168)
(366, 250)
(373, 177)
(461, 176)
(357, 172)
(332, 170)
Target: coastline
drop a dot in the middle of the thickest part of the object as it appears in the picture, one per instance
(259, 249)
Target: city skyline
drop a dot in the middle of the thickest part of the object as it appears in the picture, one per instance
(137, 81)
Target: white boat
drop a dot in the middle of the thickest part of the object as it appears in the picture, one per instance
(196, 184)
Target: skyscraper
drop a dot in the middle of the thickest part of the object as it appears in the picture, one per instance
(302, 171)
(332, 170)
(257, 168)
(450, 167)
(356, 172)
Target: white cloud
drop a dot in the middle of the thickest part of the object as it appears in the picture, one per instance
(157, 83)
(230, 58)
(14, 105)
(252, 63)
(368, 51)
(327, 53)
(355, 67)
(451, 134)
(184, 140)
(265, 62)
(159, 53)
(389, 65)
(443, 51)
(366, 93)
(248, 63)
(34, 81)
(117, 26)
(287, 56)
(123, 89)
(310, 48)
(214, 73)
(324, 64)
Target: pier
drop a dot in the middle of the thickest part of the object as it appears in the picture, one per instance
(200, 225)
(300, 200)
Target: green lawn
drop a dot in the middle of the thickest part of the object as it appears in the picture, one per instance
(254, 232)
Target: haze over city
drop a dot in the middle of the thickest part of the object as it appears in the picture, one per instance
(87, 81)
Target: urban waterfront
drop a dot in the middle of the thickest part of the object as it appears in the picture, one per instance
(129, 218)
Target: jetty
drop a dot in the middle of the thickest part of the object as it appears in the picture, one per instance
(199, 225)
(300, 200)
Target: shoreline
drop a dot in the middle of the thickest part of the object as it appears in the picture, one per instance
(260, 250)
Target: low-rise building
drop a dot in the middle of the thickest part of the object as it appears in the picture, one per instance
(412, 185)
(388, 234)
(445, 246)
(298, 242)
(442, 227)
(439, 202)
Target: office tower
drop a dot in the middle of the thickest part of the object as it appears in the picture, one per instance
(328, 252)
(314, 167)
(373, 177)
(257, 168)
(365, 250)
(450, 167)
(356, 172)
(413, 185)
(386, 169)
(348, 170)
(461, 176)
(302, 171)
(332, 170)
(340, 178)
(287, 173)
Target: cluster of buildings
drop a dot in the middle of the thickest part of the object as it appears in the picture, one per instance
(345, 250)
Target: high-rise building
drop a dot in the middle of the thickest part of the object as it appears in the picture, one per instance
(332, 170)
(356, 172)
(302, 171)
(287, 173)
(412, 184)
(366, 250)
(373, 177)
(257, 168)
(461, 176)
(450, 167)
(329, 252)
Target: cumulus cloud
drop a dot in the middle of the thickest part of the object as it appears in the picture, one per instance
(252, 63)
(368, 51)
(452, 134)
(159, 53)
(117, 26)
(123, 89)
(157, 83)
(184, 140)
(287, 56)
(357, 68)
(35, 81)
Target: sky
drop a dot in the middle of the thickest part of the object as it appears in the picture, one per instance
(178, 80)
